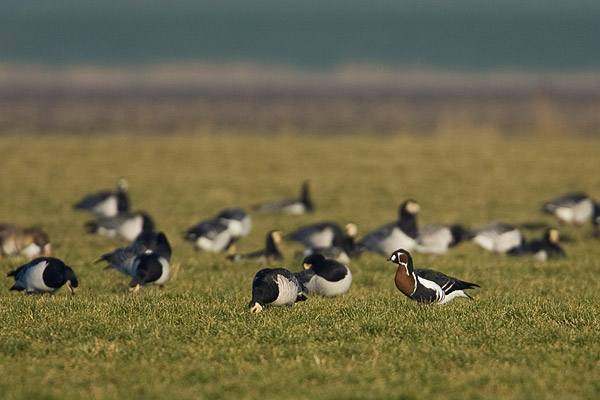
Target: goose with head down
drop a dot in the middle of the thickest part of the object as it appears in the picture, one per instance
(44, 275)
(275, 287)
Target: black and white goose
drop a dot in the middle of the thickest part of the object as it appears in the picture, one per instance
(122, 259)
(44, 275)
(298, 206)
(571, 208)
(275, 287)
(497, 237)
(399, 234)
(106, 203)
(543, 249)
(16, 240)
(270, 252)
(210, 235)
(238, 222)
(123, 226)
(317, 235)
(343, 248)
(437, 239)
(325, 277)
(151, 268)
(425, 285)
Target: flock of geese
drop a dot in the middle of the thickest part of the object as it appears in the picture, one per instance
(328, 247)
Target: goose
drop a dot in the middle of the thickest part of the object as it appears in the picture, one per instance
(149, 269)
(124, 226)
(437, 239)
(238, 222)
(298, 206)
(399, 234)
(542, 249)
(425, 285)
(44, 275)
(497, 237)
(270, 252)
(16, 240)
(325, 277)
(317, 235)
(210, 235)
(106, 203)
(571, 208)
(342, 249)
(122, 259)
(275, 287)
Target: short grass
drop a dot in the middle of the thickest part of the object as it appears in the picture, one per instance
(531, 332)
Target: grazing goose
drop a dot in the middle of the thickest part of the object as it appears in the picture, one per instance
(543, 249)
(289, 206)
(29, 242)
(152, 268)
(497, 237)
(399, 234)
(437, 239)
(124, 226)
(275, 287)
(325, 277)
(210, 235)
(270, 252)
(44, 275)
(317, 235)
(238, 222)
(342, 249)
(106, 203)
(425, 285)
(122, 259)
(572, 208)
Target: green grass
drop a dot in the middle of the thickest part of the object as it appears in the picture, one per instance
(532, 331)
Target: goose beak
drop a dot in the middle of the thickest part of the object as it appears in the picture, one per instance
(71, 288)
(135, 288)
(256, 308)
(47, 249)
(306, 265)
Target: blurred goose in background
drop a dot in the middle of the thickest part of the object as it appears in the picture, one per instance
(44, 275)
(497, 237)
(325, 277)
(399, 234)
(437, 239)
(270, 252)
(319, 234)
(106, 203)
(152, 268)
(122, 259)
(289, 206)
(238, 222)
(16, 240)
(543, 249)
(571, 208)
(275, 287)
(211, 235)
(343, 248)
(124, 226)
(426, 285)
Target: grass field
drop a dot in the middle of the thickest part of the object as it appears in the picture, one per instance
(533, 330)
